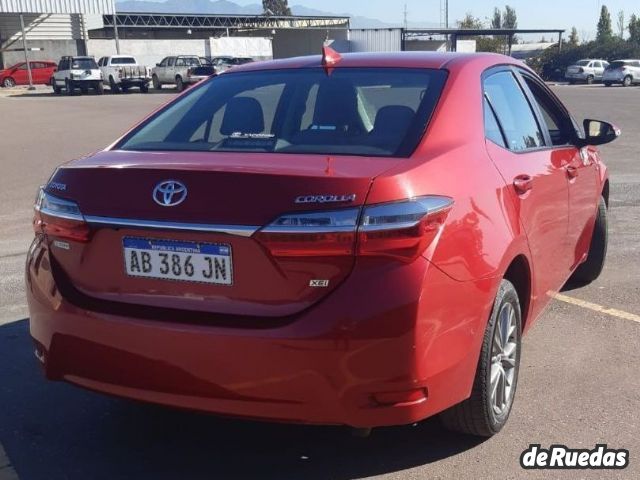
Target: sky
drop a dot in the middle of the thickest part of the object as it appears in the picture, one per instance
(583, 14)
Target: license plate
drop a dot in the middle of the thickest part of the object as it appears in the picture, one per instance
(178, 260)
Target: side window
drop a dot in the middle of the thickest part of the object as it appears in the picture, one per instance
(180, 62)
(557, 122)
(170, 61)
(64, 64)
(491, 128)
(163, 63)
(513, 111)
(597, 65)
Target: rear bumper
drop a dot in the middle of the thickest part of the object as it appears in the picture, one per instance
(390, 331)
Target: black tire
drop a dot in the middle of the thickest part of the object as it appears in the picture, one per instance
(144, 88)
(592, 267)
(68, 86)
(156, 83)
(572, 82)
(8, 82)
(627, 81)
(125, 89)
(590, 79)
(179, 84)
(113, 85)
(476, 415)
(56, 88)
(607, 84)
(99, 88)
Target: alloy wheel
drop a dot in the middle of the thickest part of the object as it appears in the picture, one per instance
(504, 351)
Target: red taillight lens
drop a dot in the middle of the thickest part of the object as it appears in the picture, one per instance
(314, 234)
(402, 229)
(59, 218)
(399, 229)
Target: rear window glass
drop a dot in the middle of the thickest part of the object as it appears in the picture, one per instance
(83, 63)
(353, 111)
(582, 63)
(123, 61)
(614, 65)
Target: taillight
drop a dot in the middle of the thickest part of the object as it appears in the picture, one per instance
(402, 229)
(59, 218)
(330, 233)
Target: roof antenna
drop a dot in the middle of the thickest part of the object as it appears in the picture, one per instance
(330, 59)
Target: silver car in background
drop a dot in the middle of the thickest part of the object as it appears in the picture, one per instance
(587, 70)
(624, 72)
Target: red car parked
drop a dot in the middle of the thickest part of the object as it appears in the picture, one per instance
(41, 72)
(356, 240)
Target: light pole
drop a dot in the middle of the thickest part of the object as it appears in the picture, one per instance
(26, 55)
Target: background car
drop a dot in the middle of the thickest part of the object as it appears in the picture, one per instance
(223, 63)
(624, 72)
(122, 72)
(587, 71)
(75, 73)
(41, 73)
(175, 70)
(290, 245)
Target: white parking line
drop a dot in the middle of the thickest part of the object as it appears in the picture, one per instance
(598, 308)
(6, 470)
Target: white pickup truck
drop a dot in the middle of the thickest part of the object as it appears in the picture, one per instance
(121, 72)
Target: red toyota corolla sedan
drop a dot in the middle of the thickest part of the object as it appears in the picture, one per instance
(356, 240)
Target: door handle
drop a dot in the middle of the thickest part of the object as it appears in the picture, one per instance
(572, 172)
(522, 184)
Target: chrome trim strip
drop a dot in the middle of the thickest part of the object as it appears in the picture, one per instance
(387, 226)
(237, 230)
(327, 229)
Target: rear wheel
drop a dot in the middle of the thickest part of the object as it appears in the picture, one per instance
(486, 411)
(627, 81)
(179, 84)
(56, 88)
(592, 267)
(144, 88)
(156, 83)
(99, 88)
(8, 82)
(607, 84)
(590, 79)
(113, 85)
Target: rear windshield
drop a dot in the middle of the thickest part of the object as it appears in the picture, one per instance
(582, 63)
(618, 64)
(83, 64)
(123, 61)
(352, 111)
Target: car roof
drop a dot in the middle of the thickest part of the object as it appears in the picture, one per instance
(434, 60)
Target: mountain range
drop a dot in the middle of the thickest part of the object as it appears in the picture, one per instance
(225, 7)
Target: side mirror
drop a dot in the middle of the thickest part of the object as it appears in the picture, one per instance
(598, 132)
(157, 64)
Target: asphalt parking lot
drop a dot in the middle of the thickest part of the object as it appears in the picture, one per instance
(579, 383)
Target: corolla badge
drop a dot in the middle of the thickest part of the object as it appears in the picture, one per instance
(350, 197)
(169, 193)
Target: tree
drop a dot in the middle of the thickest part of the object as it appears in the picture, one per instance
(634, 29)
(573, 37)
(509, 18)
(620, 24)
(276, 7)
(470, 22)
(604, 32)
(496, 20)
